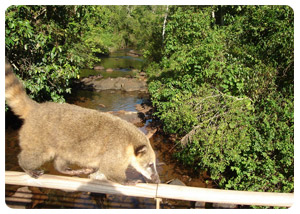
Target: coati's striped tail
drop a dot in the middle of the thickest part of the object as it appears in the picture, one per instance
(15, 94)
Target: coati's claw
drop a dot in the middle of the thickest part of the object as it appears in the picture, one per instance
(88, 171)
(35, 173)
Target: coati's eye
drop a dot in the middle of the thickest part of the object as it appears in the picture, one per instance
(150, 165)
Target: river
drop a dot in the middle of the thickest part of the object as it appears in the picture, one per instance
(113, 101)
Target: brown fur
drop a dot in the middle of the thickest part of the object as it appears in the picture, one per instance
(99, 142)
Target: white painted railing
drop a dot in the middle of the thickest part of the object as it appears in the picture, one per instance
(156, 191)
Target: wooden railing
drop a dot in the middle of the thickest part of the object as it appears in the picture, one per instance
(156, 191)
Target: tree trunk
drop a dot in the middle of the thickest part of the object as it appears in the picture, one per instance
(164, 25)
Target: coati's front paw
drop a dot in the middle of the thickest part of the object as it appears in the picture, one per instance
(88, 171)
(98, 176)
(35, 173)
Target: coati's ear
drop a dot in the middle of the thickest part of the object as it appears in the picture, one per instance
(140, 150)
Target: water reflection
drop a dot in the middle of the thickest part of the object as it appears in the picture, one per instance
(122, 65)
(108, 100)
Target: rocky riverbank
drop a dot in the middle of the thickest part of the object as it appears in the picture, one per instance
(120, 83)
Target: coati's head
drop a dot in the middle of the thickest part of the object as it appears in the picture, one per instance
(144, 162)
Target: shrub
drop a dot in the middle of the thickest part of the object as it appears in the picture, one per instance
(224, 86)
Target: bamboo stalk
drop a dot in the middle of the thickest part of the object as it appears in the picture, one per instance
(153, 190)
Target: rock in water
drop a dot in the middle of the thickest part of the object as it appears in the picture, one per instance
(99, 67)
(109, 70)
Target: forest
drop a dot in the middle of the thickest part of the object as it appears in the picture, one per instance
(221, 78)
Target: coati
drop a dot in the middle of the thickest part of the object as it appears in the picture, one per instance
(102, 144)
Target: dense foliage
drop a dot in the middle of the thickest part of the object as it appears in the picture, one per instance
(48, 44)
(224, 86)
(38, 39)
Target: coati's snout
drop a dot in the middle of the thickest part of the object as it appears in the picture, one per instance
(150, 173)
(155, 178)
(144, 161)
